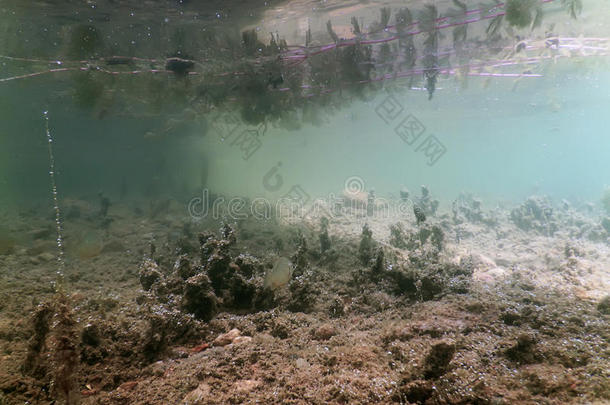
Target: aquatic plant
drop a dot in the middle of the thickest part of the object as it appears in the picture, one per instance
(420, 216)
(523, 13)
(535, 214)
(324, 238)
(300, 257)
(397, 237)
(365, 250)
(379, 263)
(64, 352)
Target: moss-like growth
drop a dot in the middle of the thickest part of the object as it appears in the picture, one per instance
(379, 265)
(438, 359)
(64, 353)
(524, 351)
(53, 354)
(199, 298)
(33, 365)
(324, 238)
(420, 217)
(604, 305)
(397, 237)
(365, 250)
(300, 257)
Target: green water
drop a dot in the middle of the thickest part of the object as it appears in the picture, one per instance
(546, 135)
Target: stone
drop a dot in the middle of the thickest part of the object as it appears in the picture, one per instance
(198, 396)
(149, 274)
(325, 332)
(46, 257)
(227, 338)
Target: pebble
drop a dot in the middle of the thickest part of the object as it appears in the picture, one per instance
(242, 339)
(325, 332)
(199, 395)
(46, 257)
(302, 364)
(227, 338)
(246, 385)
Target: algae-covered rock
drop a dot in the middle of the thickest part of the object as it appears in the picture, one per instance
(438, 359)
(149, 274)
(199, 298)
(604, 305)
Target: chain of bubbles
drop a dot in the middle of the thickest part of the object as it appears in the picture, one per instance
(61, 264)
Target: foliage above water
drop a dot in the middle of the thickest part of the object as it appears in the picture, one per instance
(269, 81)
(523, 13)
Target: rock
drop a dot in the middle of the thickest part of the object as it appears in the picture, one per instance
(604, 305)
(200, 347)
(128, 386)
(43, 233)
(325, 332)
(302, 364)
(46, 257)
(246, 385)
(40, 247)
(183, 267)
(535, 214)
(199, 298)
(198, 396)
(438, 359)
(524, 351)
(242, 339)
(227, 338)
(90, 335)
(149, 274)
(418, 391)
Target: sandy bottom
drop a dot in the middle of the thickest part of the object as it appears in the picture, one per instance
(158, 310)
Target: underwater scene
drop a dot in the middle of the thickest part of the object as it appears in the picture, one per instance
(304, 202)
